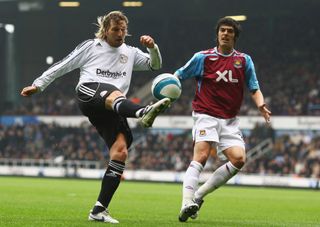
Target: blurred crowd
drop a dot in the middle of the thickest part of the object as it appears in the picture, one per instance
(287, 69)
(48, 141)
(295, 154)
(289, 91)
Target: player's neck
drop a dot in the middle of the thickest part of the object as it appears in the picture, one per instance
(225, 50)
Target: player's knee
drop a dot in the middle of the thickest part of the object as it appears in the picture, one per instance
(201, 156)
(202, 152)
(238, 161)
(122, 154)
(119, 154)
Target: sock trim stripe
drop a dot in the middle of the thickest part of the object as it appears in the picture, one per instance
(116, 166)
(228, 170)
(233, 166)
(196, 165)
(116, 102)
(231, 169)
(117, 162)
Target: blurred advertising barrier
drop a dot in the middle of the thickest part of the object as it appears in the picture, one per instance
(75, 171)
(179, 122)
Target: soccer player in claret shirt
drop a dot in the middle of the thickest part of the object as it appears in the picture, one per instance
(220, 74)
(106, 64)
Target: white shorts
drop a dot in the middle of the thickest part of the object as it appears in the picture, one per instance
(224, 132)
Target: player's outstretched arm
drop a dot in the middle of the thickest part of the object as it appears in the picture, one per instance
(265, 112)
(29, 90)
(257, 97)
(153, 49)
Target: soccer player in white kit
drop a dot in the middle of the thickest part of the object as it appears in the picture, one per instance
(220, 74)
(106, 64)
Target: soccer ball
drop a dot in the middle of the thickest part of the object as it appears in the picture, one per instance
(166, 85)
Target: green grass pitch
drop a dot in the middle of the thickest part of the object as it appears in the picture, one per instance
(66, 202)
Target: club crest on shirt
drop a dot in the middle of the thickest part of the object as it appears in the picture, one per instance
(237, 63)
(202, 132)
(123, 58)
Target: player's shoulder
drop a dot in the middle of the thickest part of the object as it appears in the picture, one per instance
(129, 47)
(86, 43)
(241, 54)
(247, 58)
(211, 51)
(205, 53)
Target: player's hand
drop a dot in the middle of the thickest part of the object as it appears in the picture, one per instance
(147, 41)
(30, 90)
(265, 113)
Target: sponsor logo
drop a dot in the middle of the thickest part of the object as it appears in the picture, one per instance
(237, 63)
(123, 58)
(109, 74)
(226, 75)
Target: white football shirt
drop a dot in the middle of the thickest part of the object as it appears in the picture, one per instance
(100, 62)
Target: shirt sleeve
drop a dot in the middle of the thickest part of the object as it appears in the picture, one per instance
(193, 68)
(155, 58)
(250, 75)
(74, 60)
(147, 61)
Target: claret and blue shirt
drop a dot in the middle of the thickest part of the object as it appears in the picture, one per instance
(220, 81)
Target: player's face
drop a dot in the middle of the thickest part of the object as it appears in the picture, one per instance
(116, 33)
(226, 37)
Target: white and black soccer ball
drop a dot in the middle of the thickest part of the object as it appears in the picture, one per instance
(166, 85)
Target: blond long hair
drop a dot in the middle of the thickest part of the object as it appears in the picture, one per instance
(105, 21)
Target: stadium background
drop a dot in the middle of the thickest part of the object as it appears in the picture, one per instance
(46, 136)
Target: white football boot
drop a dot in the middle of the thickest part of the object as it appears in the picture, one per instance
(152, 111)
(103, 216)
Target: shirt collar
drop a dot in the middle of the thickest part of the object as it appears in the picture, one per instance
(224, 55)
(105, 44)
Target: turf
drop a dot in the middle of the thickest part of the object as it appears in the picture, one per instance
(66, 202)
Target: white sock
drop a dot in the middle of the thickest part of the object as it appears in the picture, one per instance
(190, 182)
(218, 178)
